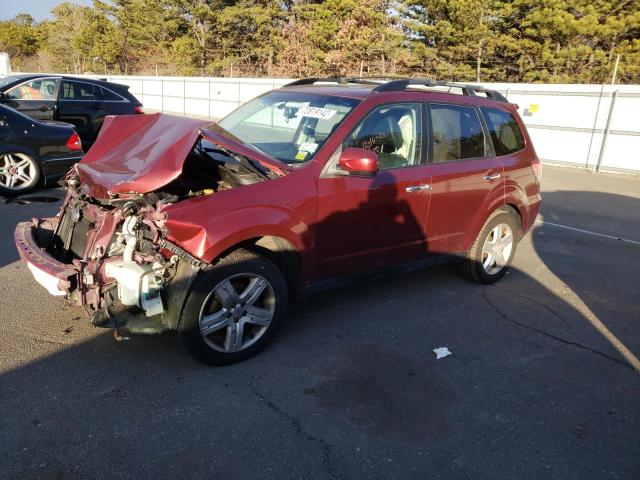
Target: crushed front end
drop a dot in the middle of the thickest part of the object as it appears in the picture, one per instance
(108, 249)
(110, 257)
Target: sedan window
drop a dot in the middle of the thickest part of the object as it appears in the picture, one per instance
(77, 91)
(38, 89)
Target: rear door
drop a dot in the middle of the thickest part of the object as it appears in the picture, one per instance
(36, 98)
(81, 104)
(465, 174)
(365, 223)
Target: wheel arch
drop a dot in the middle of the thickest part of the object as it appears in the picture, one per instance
(494, 203)
(278, 250)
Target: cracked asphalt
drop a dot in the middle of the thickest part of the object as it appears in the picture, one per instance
(350, 388)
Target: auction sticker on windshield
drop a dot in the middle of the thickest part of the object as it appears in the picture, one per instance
(317, 112)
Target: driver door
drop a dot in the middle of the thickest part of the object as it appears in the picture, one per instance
(365, 223)
(36, 98)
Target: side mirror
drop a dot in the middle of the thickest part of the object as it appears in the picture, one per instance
(358, 161)
(2, 97)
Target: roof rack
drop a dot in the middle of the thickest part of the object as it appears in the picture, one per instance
(393, 84)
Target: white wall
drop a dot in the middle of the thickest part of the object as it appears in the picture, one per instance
(566, 122)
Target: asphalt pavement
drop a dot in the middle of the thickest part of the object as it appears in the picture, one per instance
(540, 383)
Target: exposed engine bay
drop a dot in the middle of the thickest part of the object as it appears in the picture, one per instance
(126, 273)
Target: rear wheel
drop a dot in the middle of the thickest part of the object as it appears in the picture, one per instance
(233, 309)
(19, 173)
(494, 248)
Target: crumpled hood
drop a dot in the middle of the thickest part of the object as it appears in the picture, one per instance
(137, 153)
(142, 153)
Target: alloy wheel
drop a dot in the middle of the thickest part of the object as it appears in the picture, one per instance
(237, 312)
(497, 248)
(17, 171)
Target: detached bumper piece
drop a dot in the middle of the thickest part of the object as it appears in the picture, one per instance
(56, 277)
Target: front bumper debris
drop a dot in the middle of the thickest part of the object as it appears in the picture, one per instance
(57, 277)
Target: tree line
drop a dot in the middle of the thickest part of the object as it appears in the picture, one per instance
(572, 41)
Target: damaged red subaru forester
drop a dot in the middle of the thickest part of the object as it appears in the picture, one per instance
(179, 224)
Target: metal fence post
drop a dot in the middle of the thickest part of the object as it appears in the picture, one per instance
(607, 128)
(184, 97)
(162, 95)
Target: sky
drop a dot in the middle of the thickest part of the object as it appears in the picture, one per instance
(39, 9)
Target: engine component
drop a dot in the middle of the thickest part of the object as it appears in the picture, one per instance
(137, 285)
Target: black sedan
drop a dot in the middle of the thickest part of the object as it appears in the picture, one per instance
(34, 151)
(82, 102)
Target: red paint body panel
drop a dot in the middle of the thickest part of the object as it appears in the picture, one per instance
(284, 207)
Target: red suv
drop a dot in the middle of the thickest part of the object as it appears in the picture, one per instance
(178, 224)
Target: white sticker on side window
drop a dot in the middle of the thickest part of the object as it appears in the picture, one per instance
(316, 112)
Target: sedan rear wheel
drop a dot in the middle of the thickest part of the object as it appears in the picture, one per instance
(19, 173)
(233, 308)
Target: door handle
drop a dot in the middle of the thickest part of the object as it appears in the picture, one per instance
(45, 109)
(495, 176)
(418, 188)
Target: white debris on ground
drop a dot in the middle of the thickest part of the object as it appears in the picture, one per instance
(441, 352)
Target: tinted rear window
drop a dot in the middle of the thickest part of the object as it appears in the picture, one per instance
(109, 95)
(78, 91)
(505, 132)
(456, 132)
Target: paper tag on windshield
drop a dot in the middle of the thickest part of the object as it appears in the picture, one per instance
(308, 147)
(317, 112)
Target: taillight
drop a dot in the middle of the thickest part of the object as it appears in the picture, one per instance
(138, 109)
(74, 144)
(537, 169)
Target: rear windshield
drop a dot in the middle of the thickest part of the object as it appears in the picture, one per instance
(289, 126)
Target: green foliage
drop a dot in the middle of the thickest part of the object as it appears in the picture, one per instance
(20, 38)
(488, 40)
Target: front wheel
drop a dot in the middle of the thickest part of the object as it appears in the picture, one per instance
(493, 249)
(233, 309)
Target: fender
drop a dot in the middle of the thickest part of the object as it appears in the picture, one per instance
(516, 196)
(493, 201)
(208, 240)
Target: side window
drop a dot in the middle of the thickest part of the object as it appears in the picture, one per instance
(456, 132)
(107, 94)
(38, 89)
(77, 91)
(393, 132)
(504, 130)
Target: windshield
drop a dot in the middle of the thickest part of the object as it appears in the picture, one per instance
(289, 126)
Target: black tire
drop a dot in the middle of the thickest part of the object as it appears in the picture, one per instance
(473, 267)
(23, 187)
(205, 297)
